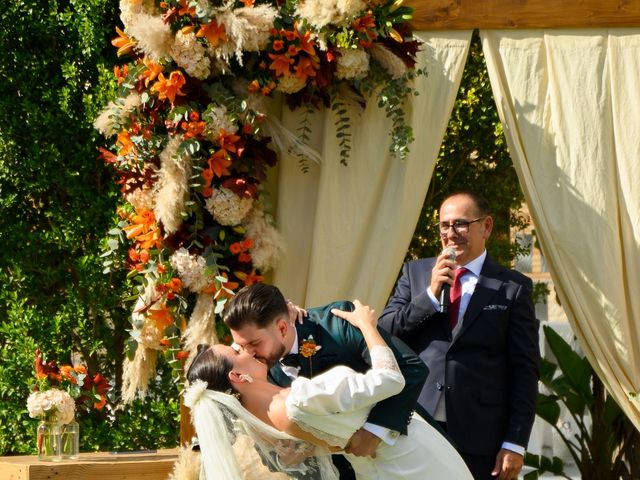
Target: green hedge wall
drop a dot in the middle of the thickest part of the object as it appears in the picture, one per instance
(57, 202)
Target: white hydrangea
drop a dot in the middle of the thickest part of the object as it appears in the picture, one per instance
(352, 63)
(217, 119)
(191, 269)
(55, 405)
(290, 84)
(191, 55)
(228, 208)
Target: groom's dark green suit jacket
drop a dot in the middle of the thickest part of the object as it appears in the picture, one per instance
(343, 344)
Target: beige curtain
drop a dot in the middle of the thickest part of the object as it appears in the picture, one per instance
(347, 229)
(570, 105)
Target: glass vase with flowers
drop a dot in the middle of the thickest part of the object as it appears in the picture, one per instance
(57, 393)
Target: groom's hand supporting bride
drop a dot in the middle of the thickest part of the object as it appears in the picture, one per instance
(363, 443)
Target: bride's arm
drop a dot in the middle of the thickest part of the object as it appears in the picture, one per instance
(365, 319)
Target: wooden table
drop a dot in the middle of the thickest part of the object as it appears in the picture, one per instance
(92, 466)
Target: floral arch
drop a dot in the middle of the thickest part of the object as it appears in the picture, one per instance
(193, 141)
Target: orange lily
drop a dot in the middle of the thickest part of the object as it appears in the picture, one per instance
(123, 43)
(169, 88)
(151, 239)
(125, 144)
(307, 44)
(248, 3)
(220, 163)
(162, 316)
(207, 174)
(305, 68)
(213, 32)
(142, 222)
(152, 71)
(185, 9)
(249, 278)
(227, 141)
(280, 64)
(121, 73)
(364, 23)
(65, 371)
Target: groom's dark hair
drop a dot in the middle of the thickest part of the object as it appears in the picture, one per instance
(257, 304)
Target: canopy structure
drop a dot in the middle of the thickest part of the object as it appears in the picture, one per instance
(521, 14)
(564, 76)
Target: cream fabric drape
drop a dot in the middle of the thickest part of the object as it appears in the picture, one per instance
(347, 229)
(570, 105)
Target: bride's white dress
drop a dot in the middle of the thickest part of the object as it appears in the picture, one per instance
(333, 405)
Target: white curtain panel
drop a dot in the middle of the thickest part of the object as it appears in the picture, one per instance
(570, 104)
(347, 228)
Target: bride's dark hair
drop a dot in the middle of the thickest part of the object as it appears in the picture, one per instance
(212, 368)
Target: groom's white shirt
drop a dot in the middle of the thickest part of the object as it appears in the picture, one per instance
(386, 435)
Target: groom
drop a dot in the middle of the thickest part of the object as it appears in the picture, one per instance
(258, 317)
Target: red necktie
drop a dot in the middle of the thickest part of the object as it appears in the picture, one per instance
(456, 293)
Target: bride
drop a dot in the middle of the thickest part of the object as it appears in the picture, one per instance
(295, 429)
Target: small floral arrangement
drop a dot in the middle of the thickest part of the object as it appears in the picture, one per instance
(308, 348)
(193, 140)
(60, 388)
(52, 405)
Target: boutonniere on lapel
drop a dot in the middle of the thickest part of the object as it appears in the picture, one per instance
(308, 349)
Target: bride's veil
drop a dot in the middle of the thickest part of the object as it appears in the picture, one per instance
(220, 421)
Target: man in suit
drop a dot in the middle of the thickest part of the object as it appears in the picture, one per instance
(483, 360)
(260, 323)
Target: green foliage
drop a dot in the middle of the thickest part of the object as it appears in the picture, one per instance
(56, 203)
(605, 443)
(473, 156)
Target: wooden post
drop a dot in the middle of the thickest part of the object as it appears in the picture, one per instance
(187, 432)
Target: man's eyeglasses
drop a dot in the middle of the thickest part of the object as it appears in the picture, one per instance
(460, 227)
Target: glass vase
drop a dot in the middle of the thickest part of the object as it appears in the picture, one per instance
(48, 441)
(70, 440)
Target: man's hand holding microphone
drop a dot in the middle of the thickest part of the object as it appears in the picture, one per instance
(442, 277)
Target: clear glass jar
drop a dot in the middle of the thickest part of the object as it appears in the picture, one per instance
(70, 440)
(48, 441)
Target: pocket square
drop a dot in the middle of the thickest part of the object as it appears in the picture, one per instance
(495, 307)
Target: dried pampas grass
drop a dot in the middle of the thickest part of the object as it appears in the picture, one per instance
(187, 467)
(201, 328)
(173, 186)
(136, 373)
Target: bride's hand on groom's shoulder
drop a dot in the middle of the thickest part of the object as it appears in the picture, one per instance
(296, 313)
(361, 317)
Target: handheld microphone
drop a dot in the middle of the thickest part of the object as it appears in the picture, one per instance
(444, 292)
